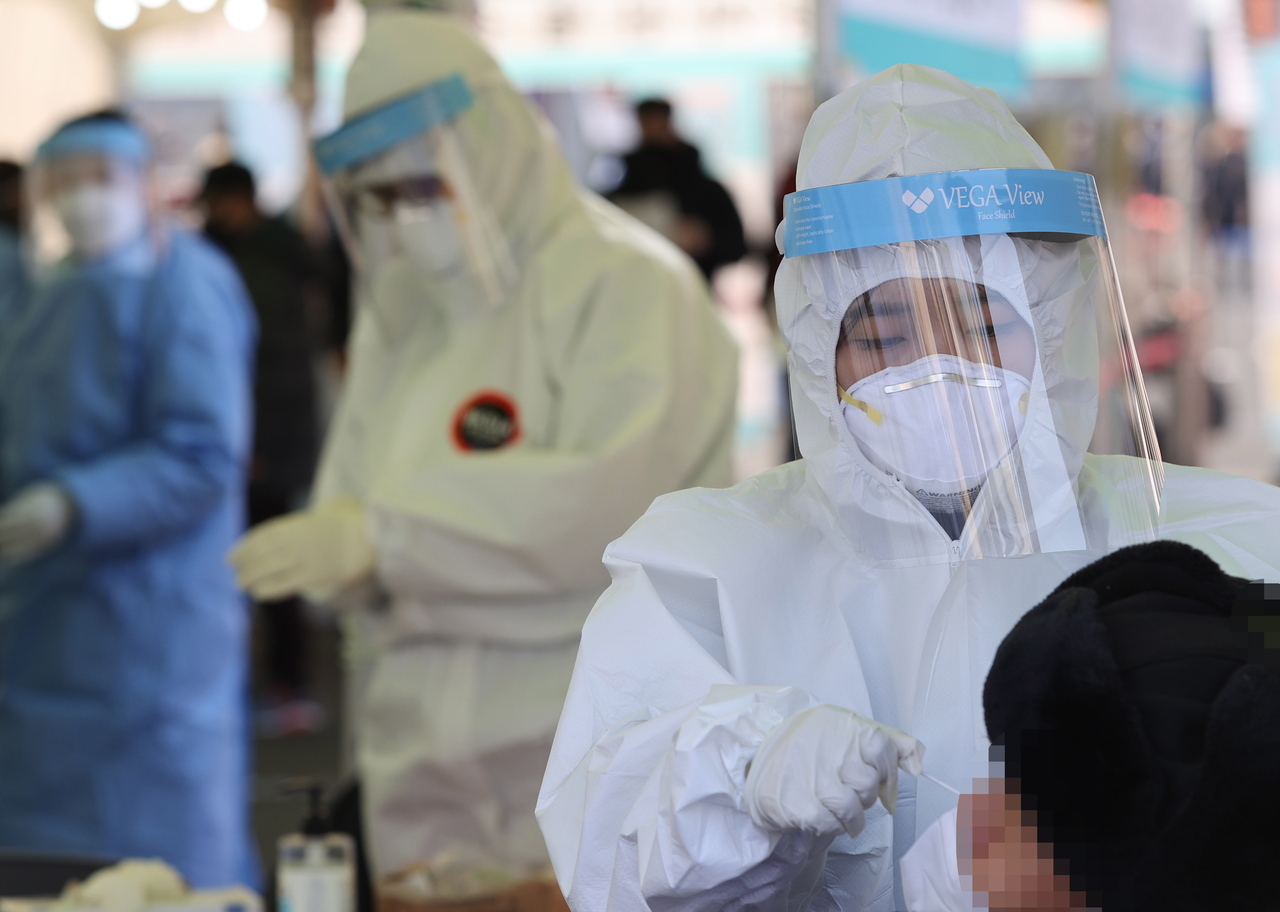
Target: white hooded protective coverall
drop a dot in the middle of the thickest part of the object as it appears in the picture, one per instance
(825, 582)
(622, 383)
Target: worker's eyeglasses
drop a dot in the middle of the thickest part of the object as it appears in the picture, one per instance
(381, 199)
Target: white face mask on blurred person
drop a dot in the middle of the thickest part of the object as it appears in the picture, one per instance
(899, 416)
(423, 265)
(101, 217)
(403, 304)
(430, 236)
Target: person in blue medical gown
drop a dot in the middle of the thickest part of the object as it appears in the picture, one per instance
(124, 434)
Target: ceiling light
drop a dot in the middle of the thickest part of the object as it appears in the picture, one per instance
(197, 6)
(153, 4)
(246, 15)
(116, 14)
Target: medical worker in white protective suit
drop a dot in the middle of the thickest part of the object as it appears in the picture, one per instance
(947, 331)
(530, 368)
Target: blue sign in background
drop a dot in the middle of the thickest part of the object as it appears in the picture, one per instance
(876, 45)
(950, 204)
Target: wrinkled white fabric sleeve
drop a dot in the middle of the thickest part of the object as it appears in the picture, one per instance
(930, 871)
(689, 824)
(669, 828)
(642, 806)
(647, 390)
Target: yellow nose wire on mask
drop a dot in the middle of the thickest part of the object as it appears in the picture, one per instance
(872, 413)
(875, 415)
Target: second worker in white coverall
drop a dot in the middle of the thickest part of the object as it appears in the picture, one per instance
(530, 368)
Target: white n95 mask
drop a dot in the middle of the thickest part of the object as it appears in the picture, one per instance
(431, 237)
(940, 424)
(402, 303)
(432, 245)
(100, 218)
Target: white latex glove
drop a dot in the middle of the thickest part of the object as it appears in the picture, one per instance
(821, 769)
(320, 550)
(33, 521)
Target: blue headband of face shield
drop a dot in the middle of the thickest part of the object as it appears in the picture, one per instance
(371, 134)
(950, 204)
(97, 137)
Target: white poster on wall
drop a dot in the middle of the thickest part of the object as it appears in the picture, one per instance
(524, 26)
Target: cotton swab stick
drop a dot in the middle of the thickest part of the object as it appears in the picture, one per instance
(940, 784)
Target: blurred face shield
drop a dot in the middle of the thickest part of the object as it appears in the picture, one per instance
(981, 353)
(407, 208)
(90, 181)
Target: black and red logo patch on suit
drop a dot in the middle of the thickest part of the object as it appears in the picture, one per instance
(486, 421)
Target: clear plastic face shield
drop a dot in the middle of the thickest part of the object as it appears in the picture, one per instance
(89, 191)
(982, 356)
(407, 209)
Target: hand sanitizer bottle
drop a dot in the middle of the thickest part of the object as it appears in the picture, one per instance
(316, 868)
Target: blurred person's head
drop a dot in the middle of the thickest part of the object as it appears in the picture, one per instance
(12, 206)
(1136, 713)
(657, 124)
(229, 197)
(1237, 138)
(448, 178)
(93, 171)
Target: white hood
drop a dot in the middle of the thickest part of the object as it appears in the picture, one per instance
(916, 120)
(522, 179)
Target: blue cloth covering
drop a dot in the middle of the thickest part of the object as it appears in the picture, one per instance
(98, 137)
(123, 651)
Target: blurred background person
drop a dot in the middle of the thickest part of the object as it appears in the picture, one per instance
(282, 276)
(530, 368)
(125, 417)
(13, 266)
(1225, 201)
(664, 175)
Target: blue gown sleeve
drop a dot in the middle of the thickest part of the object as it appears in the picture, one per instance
(195, 351)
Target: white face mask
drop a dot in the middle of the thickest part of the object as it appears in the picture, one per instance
(940, 423)
(425, 263)
(431, 237)
(100, 218)
(401, 303)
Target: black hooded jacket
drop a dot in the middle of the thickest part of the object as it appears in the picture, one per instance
(1138, 709)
